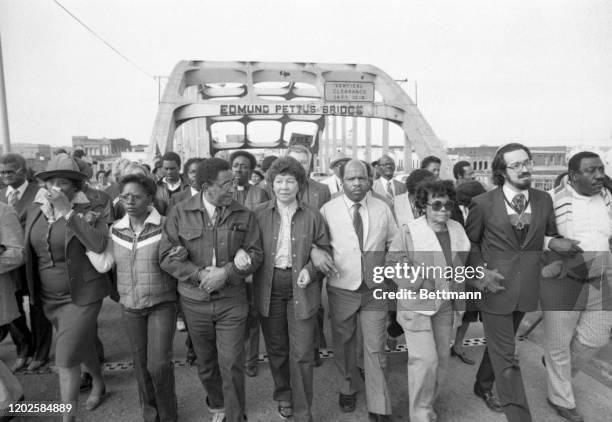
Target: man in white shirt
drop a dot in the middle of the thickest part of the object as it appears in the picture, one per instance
(575, 296)
(334, 182)
(35, 344)
(385, 185)
(361, 229)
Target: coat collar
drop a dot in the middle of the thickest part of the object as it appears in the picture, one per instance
(153, 218)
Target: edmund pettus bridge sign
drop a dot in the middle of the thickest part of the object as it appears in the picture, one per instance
(202, 98)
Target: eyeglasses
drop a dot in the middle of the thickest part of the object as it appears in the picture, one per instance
(528, 164)
(135, 196)
(438, 205)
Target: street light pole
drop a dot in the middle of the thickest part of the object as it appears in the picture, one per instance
(4, 125)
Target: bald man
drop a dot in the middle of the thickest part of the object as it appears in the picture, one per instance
(361, 228)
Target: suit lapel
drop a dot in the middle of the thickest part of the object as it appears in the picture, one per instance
(36, 211)
(501, 214)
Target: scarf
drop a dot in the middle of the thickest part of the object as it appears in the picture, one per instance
(47, 209)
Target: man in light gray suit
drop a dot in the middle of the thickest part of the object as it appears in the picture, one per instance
(385, 185)
(361, 228)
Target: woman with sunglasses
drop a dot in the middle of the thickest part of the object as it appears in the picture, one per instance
(439, 246)
(147, 295)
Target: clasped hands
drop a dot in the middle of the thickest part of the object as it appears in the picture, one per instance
(210, 278)
(242, 260)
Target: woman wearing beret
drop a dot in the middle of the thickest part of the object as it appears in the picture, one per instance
(60, 228)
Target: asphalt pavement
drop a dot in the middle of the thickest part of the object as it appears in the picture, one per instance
(456, 403)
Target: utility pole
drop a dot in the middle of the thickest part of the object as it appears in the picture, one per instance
(4, 125)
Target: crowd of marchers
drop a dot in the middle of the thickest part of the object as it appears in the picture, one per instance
(228, 249)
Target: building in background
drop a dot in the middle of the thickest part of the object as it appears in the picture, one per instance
(101, 148)
(549, 162)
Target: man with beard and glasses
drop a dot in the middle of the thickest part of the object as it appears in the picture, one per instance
(509, 227)
(242, 164)
(575, 295)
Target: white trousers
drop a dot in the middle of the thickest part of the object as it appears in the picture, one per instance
(428, 340)
(571, 340)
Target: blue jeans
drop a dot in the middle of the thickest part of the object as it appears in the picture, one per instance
(151, 333)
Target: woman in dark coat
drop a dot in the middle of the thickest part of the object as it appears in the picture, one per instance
(60, 228)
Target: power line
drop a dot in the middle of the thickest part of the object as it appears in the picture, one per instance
(102, 39)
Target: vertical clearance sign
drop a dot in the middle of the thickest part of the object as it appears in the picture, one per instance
(349, 92)
(346, 98)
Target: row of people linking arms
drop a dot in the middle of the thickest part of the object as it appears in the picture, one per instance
(232, 256)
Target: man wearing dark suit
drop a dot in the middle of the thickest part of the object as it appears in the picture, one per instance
(243, 163)
(509, 227)
(385, 185)
(316, 195)
(313, 193)
(36, 344)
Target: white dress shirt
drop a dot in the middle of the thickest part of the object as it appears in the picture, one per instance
(363, 212)
(21, 189)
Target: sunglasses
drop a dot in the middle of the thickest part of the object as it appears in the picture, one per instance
(438, 205)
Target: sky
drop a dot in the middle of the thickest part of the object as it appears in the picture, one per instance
(488, 72)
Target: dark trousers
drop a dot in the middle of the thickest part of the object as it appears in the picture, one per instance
(251, 343)
(217, 331)
(151, 332)
(19, 331)
(289, 344)
(499, 364)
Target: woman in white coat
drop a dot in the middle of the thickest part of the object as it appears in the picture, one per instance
(439, 246)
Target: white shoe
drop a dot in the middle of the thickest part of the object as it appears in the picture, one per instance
(218, 416)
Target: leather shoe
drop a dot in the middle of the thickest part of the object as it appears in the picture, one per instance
(347, 402)
(251, 371)
(464, 358)
(94, 401)
(564, 412)
(375, 417)
(317, 358)
(489, 398)
(19, 364)
(86, 382)
(36, 365)
(285, 412)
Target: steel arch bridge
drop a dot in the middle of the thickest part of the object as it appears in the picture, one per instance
(203, 95)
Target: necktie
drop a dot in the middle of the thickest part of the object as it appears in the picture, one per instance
(390, 190)
(358, 224)
(13, 198)
(518, 203)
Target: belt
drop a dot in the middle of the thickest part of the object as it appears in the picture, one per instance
(282, 269)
